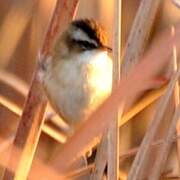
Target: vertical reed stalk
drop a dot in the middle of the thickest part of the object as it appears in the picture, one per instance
(32, 119)
(113, 133)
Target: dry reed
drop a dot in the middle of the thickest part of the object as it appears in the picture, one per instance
(29, 129)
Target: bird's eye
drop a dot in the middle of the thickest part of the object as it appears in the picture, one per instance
(85, 45)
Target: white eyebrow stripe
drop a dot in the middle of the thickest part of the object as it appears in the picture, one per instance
(78, 34)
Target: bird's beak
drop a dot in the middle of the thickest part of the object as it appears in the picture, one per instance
(107, 48)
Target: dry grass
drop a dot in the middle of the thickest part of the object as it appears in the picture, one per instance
(29, 129)
(140, 73)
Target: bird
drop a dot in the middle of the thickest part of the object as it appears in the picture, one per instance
(77, 76)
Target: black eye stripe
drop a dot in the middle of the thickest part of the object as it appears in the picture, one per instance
(85, 44)
(86, 26)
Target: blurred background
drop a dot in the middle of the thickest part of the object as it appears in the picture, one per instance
(22, 28)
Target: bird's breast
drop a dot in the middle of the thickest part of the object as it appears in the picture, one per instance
(77, 86)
